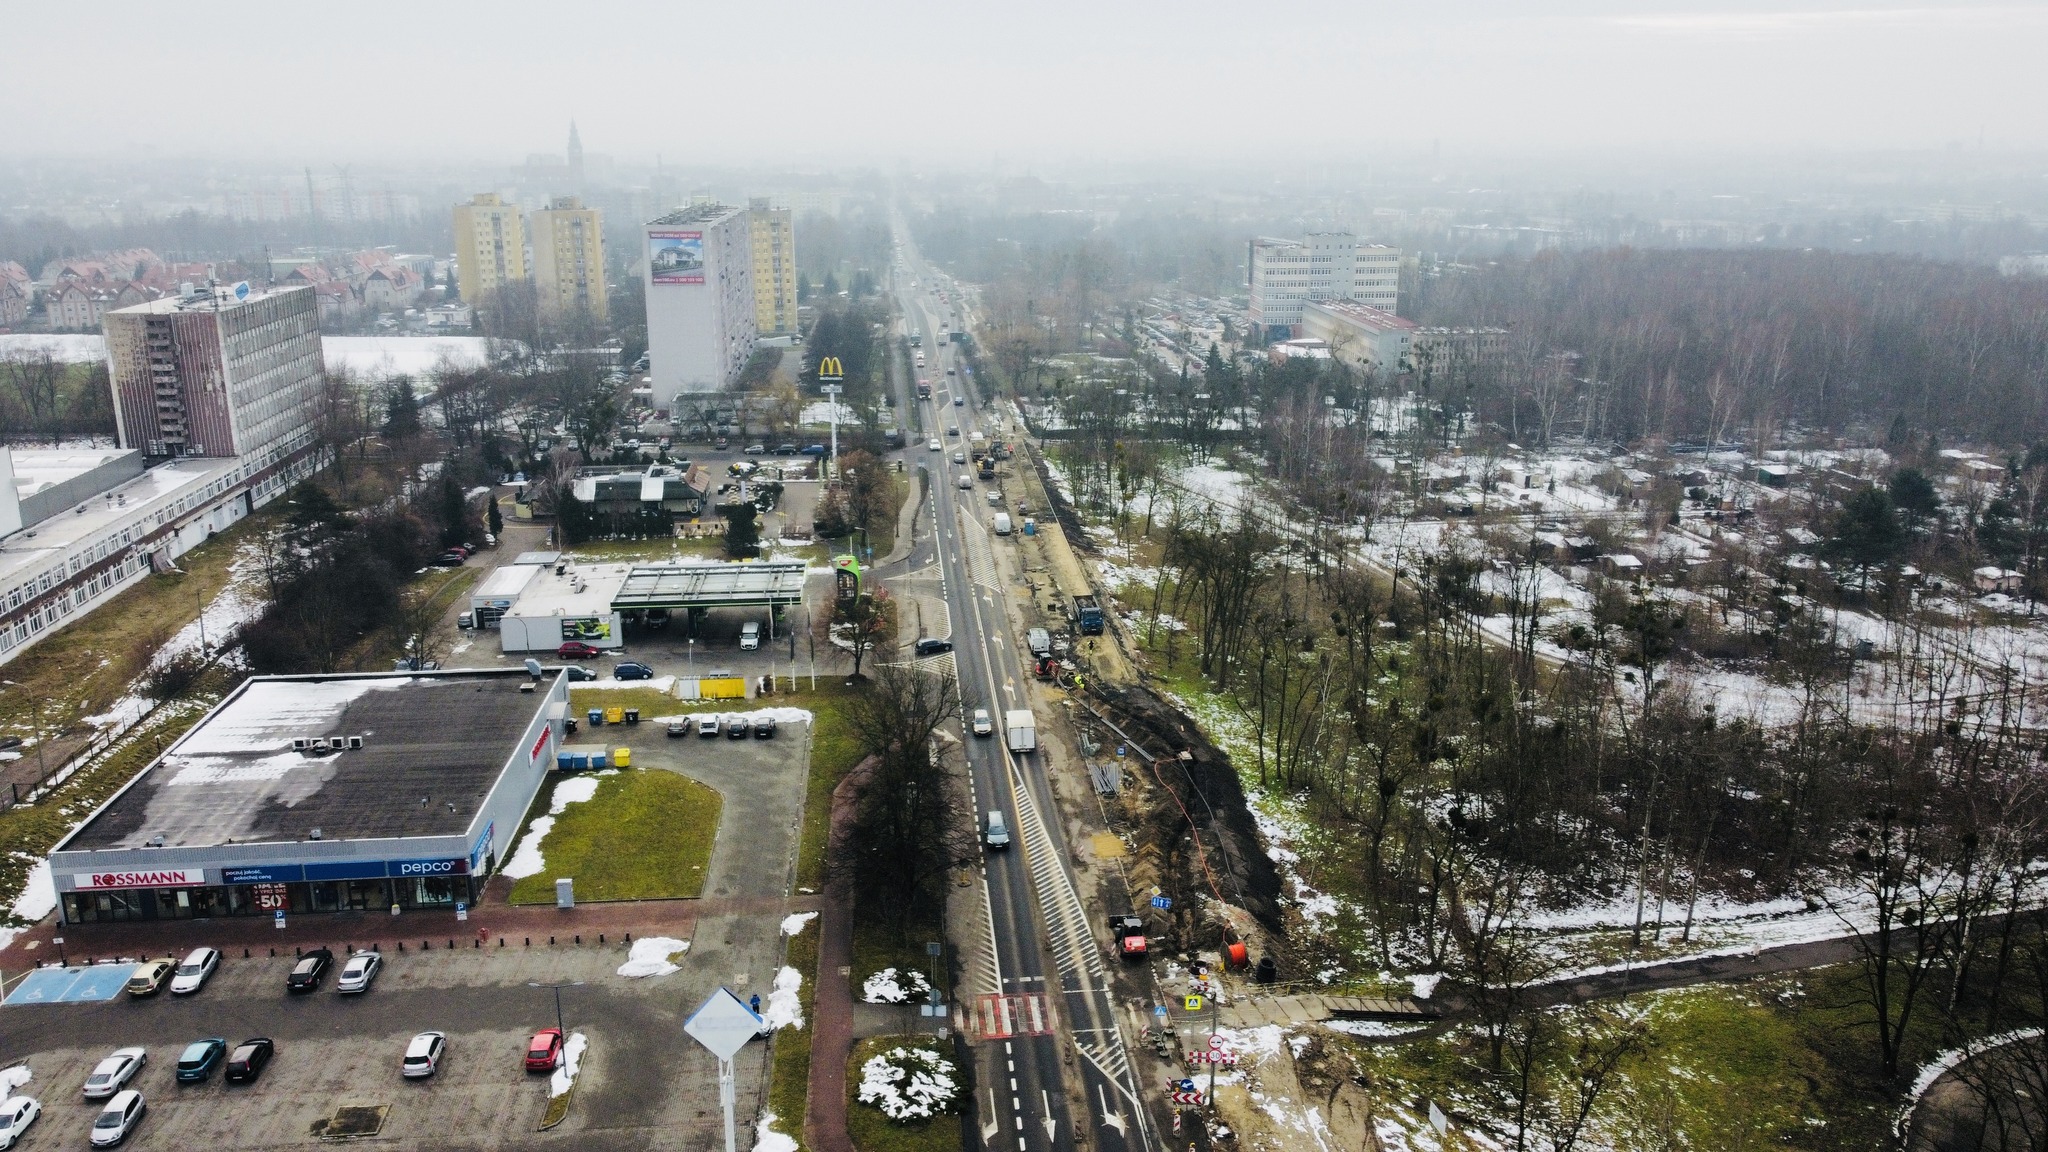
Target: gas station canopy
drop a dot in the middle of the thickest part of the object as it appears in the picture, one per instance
(680, 586)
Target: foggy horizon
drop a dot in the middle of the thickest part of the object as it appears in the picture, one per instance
(925, 86)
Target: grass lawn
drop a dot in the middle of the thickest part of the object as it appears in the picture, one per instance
(871, 1131)
(90, 663)
(647, 700)
(646, 835)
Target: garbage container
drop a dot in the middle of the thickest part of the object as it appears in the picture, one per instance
(622, 757)
(632, 715)
(596, 717)
(615, 715)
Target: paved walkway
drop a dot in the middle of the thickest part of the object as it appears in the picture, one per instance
(1254, 1011)
(832, 1012)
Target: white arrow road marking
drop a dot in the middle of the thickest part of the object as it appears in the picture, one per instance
(1050, 1123)
(989, 1129)
(1110, 1116)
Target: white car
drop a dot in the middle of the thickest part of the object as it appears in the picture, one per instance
(193, 973)
(934, 445)
(359, 971)
(16, 1114)
(109, 1074)
(118, 1118)
(983, 726)
(423, 1055)
(959, 457)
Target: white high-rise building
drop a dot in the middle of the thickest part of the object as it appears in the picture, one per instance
(700, 298)
(1287, 274)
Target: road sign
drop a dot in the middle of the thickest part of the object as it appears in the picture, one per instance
(1119, 751)
(1162, 902)
(1159, 1010)
(277, 918)
(723, 1024)
(242, 290)
(461, 910)
(1184, 1085)
(1438, 1120)
(1216, 1042)
(1185, 1097)
(1194, 1003)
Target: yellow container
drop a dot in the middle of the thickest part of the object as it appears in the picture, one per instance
(616, 714)
(622, 757)
(722, 688)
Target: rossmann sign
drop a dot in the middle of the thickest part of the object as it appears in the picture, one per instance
(167, 878)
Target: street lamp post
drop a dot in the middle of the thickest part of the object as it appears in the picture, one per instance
(557, 989)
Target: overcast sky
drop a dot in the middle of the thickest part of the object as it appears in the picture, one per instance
(1040, 80)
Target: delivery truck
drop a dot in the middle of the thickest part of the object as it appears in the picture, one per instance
(1020, 728)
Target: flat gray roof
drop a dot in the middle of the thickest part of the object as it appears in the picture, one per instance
(433, 747)
(711, 585)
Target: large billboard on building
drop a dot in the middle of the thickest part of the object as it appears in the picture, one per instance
(675, 257)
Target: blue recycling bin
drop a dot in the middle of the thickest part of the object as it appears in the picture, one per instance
(598, 760)
(596, 716)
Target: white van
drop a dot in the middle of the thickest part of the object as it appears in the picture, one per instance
(1002, 523)
(750, 635)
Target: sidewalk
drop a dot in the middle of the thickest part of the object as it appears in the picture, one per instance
(832, 1012)
(491, 925)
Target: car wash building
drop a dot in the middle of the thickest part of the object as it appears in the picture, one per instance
(311, 794)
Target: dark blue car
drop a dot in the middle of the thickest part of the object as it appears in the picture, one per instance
(632, 670)
(814, 449)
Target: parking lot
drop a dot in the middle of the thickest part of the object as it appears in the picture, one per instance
(642, 1083)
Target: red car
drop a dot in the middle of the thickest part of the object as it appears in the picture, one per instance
(544, 1051)
(576, 650)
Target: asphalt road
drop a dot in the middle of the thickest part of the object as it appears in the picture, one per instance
(1034, 913)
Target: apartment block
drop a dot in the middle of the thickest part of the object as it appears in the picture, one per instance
(699, 274)
(568, 258)
(774, 240)
(490, 245)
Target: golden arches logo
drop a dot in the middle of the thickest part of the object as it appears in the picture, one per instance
(830, 368)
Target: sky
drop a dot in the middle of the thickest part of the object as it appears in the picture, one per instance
(909, 81)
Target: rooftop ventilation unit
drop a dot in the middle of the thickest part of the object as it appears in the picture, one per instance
(355, 742)
(300, 743)
(314, 834)
(317, 744)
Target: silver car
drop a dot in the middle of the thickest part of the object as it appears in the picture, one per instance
(361, 969)
(110, 1074)
(423, 1055)
(193, 973)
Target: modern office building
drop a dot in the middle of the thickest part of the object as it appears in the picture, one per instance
(301, 794)
(1285, 274)
(568, 259)
(217, 372)
(490, 245)
(700, 298)
(774, 267)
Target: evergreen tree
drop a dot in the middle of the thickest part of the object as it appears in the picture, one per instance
(1866, 532)
(401, 411)
(1913, 493)
(742, 530)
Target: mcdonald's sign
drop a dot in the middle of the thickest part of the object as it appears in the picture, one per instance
(829, 368)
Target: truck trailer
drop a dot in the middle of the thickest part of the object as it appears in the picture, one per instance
(1020, 730)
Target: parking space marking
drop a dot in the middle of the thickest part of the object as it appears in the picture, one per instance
(71, 985)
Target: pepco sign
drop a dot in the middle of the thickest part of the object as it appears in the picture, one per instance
(168, 878)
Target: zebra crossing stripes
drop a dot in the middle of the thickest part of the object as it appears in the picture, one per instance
(999, 1017)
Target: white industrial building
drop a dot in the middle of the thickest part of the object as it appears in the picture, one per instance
(700, 298)
(1286, 274)
(1358, 334)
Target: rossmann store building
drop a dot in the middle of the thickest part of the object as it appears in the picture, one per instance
(311, 794)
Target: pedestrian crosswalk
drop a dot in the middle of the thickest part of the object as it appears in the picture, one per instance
(999, 1017)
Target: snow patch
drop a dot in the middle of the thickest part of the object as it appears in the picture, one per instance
(908, 1083)
(653, 956)
(767, 1139)
(1423, 985)
(890, 987)
(795, 921)
(565, 1072)
(784, 1009)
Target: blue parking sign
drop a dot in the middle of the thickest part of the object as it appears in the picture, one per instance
(278, 917)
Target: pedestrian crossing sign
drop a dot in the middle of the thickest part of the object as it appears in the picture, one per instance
(1194, 1003)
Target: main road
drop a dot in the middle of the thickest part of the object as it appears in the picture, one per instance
(1027, 1019)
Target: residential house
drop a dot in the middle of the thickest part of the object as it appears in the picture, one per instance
(72, 306)
(390, 288)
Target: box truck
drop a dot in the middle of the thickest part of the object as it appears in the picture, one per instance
(1020, 727)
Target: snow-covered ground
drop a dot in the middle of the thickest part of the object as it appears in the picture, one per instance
(565, 1073)
(784, 1009)
(375, 356)
(909, 1083)
(653, 956)
(795, 921)
(527, 859)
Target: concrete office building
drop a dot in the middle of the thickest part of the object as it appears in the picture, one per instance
(204, 373)
(568, 259)
(700, 298)
(1286, 274)
(219, 393)
(774, 240)
(301, 794)
(490, 245)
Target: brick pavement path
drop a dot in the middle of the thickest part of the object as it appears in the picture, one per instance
(832, 1012)
(490, 925)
